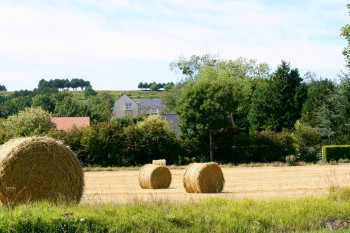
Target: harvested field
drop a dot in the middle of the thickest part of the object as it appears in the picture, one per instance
(265, 182)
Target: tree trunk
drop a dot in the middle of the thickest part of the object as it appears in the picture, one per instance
(211, 145)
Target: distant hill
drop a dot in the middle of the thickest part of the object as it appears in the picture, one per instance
(134, 94)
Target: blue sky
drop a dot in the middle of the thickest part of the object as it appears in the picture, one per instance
(115, 44)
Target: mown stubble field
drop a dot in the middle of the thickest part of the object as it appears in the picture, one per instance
(266, 182)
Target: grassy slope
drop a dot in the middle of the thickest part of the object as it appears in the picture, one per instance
(213, 215)
(135, 94)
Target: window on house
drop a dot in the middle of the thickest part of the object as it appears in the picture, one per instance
(128, 106)
(154, 110)
(128, 113)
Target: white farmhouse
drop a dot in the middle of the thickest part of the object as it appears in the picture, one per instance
(125, 106)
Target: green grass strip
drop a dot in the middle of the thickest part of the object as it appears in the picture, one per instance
(311, 214)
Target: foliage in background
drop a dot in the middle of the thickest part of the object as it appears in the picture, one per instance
(3, 88)
(318, 93)
(206, 105)
(264, 146)
(153, 138)
(345, 32)
(60, 84)
(308, 142)
(29, 122)
(123, 142)
(336, 152)
(100, 107)
(277, 105)
(70, 108)
(242, 93)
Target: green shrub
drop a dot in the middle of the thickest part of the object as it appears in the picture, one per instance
(272, 146)
(152, 138)
(335, 152)
(29, 122)
(307, 141)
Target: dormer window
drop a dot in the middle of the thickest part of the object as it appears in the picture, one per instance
(128, 106)
(154, 110)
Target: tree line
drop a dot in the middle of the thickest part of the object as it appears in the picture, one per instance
(3, 88)
(241, 111)
(59, 103)
(61, 84)
(153, 86)
(118, 142)
(230, 111)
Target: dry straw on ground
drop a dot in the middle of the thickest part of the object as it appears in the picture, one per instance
(159, 162)
(203, 178)
(39, 168)
(154, 176)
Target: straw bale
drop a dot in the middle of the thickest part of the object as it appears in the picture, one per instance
(159, 162)
(154, 176)
(39, 168)
(203, 178)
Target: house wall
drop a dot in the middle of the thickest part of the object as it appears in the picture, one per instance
(119, 109)
(148, 110)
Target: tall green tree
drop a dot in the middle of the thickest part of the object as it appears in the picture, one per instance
(190, 67)
(13, 105)
(318, 92)
(100, 107)
(277, 104)
(70, 108)
(250, 75)
(247, 70)
(88, 91)
(345, 32)
(43, 101)
(333, 118)
(3, 88)
(140, 86)
(206, 104)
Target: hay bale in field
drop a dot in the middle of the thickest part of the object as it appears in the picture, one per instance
(154, 176)
(159, 162)
(39, 168)
(291, 158)
(203, 178)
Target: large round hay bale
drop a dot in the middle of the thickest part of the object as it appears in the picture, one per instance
(39, 168)
(203, 178)
(154, 176)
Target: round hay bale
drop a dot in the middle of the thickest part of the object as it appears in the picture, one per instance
(159, 162)
(39, 168)
(203, 178)
(154, 176)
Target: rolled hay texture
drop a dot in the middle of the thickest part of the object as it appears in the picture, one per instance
(152, 176)
(203, 178)
(159, 162)
(39, 169)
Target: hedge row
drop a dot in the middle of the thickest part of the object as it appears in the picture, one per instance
(335, 152)
(121, 143)
(130, 142)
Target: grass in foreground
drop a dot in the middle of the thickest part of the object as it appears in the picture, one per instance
(331, 212)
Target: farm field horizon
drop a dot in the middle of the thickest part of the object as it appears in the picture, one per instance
(267, 182)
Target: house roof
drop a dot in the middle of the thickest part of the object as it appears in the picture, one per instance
(67, 123)
(149, 102)
(174, 120)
